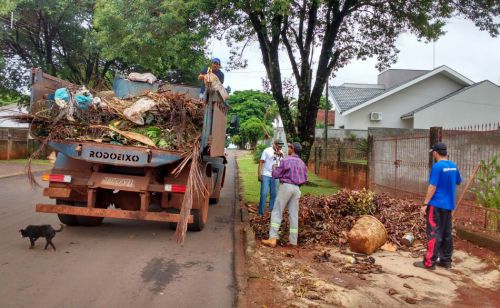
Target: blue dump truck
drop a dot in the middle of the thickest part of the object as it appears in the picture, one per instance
(91, 180)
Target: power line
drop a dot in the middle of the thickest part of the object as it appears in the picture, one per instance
(258, 71)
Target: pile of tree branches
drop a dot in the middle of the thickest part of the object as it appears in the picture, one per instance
(172, 123)
(326, 220)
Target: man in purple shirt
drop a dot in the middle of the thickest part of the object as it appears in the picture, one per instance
(292, 172)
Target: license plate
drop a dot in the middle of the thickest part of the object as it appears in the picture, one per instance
(118, 182)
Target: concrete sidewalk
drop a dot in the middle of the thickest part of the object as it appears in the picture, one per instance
(13, 168)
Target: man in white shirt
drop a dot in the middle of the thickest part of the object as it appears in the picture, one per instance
(270, 156)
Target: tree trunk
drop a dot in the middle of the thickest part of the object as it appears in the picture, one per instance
(307, 124)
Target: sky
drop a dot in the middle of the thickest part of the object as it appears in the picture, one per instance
(464, 48)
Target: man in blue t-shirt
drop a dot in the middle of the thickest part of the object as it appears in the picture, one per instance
(214, 68)
(439, 202)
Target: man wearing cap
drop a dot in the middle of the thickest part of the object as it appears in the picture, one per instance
(269, 186)
(438, 205)
(215, 69)
(292, 173)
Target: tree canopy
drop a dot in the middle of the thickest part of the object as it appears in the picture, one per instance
(87, 41)
(334, 33)
(55, 35)
(255, 111)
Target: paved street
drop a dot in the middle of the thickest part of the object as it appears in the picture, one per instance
(118, 264)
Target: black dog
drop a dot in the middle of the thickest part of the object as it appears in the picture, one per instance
(34, 232)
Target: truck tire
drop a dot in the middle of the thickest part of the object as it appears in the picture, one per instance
(198, 222)
(213, 200)
(173, 210)
(87, 221)
(199, 216)
(68, 220)
(218, 186)
(197, 225)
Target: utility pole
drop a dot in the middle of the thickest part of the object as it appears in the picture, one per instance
(433, 54)
(326, 118)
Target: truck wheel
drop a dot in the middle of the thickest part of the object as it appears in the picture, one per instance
(213, 200)
(68, 220)
(87, 221)
(173, 210)
(197, 224)
(199, 216)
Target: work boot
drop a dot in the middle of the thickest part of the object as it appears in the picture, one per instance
(422, 265)
(270, 242)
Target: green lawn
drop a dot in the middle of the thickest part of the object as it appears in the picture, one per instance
(356, 161)
(251, 185)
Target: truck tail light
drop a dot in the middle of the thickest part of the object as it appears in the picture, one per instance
(61, 178)
(175, 188)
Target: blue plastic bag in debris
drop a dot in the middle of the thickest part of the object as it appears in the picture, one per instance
(83, 102)
(62, 94)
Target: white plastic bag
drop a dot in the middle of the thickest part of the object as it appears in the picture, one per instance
(134, 113)
(146, 77)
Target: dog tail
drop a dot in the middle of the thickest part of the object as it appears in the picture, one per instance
(60, 229)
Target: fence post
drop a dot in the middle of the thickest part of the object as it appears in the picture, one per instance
(9, 143)
(369, 162)
(316, 160)
(435, 135)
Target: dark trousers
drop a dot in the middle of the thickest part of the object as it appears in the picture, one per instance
(439, 237)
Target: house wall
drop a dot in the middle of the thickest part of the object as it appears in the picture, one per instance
(339, 119)
(478, 105)
(392, 107)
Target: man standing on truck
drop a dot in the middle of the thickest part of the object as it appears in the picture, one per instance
(215, 69)
(438, 204)
(292, 173)
(270, 156)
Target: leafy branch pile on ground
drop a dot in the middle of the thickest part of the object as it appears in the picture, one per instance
(326, 220)
(170, 121)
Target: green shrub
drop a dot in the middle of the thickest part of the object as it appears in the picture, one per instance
(487, 190)
(362, 146)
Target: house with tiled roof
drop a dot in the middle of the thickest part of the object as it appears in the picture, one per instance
(416, 99)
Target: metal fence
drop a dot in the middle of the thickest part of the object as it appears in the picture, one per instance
(468, 146)
(400, 165)
(342, 161)
(339, 151)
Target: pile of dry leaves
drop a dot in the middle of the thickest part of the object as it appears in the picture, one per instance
(327, 220)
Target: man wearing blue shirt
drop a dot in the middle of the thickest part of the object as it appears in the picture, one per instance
(215, 69)
(439, 203)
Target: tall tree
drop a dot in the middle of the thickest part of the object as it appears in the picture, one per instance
(336, 32)
(55, 35)
(255, 113)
